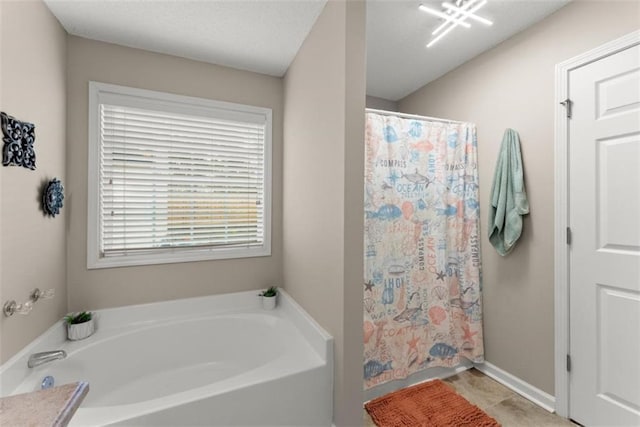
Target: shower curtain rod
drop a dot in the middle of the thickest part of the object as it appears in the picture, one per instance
(409, 116)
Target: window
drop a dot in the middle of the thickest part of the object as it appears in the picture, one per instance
(175, 178)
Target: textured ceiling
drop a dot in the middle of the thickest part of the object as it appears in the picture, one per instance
(265, 35)
(398, 62)
(256, 35)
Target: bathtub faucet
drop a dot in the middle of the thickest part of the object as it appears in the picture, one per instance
(37, 359)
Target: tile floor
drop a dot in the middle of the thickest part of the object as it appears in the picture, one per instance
(508, 408)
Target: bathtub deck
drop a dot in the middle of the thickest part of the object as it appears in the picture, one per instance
(52, 407)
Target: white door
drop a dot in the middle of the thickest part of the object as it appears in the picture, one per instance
(604, 259)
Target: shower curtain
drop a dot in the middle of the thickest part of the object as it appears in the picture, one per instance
(422, 300)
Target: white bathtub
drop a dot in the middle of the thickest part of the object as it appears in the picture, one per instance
(214, 361)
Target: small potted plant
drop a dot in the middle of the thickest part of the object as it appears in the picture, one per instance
(269, 298)
(79, 325)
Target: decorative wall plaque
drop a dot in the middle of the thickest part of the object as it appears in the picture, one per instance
(18, 138)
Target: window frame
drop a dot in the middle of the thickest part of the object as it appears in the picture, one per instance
(143, 98)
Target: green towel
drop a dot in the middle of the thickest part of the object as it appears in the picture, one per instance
(508, 197)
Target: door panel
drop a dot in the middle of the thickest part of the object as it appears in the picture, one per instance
(604, 258)
(618, 311)
(617, 178)
(618, 94)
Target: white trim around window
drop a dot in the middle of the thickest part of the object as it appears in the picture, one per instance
(140, 136)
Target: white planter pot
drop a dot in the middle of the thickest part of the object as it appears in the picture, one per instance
(80, 331)
(269, 303)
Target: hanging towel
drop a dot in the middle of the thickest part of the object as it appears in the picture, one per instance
(508, 197)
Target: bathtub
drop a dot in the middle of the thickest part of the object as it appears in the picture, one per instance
(218, 360)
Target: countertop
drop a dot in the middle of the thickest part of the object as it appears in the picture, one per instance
(51, 407)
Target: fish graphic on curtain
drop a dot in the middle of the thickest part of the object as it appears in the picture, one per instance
(422, 294)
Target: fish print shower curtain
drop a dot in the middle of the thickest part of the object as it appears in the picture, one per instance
(422, 299)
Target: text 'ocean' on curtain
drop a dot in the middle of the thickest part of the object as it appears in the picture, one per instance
(422, 294)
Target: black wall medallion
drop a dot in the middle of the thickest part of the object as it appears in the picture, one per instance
(18, 138)
(52, 197)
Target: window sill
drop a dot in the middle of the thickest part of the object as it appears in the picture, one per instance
(175, 257)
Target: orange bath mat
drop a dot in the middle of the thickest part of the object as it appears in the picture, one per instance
(432, 404)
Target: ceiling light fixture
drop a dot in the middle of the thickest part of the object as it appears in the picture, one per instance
(454, 15)
(457, 16)
(449, 18)
(442, 34)
(469, 14)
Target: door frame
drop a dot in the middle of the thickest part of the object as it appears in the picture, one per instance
(561, 195)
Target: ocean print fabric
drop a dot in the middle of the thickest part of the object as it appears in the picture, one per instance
(422, 299)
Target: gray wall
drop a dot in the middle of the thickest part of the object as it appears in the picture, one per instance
(512, 85)
(32, 245)
(323, 190)
(381, 103)
(92, 289)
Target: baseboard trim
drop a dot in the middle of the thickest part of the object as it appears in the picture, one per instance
(524, 389)
(416, 378)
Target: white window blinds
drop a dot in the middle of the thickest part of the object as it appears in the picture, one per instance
(172, 182)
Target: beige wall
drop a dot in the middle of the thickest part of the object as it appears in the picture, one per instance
(96, 61)
(323, 191)
(349, 412)
(381, 103)
(32, 245)
(512, 85)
